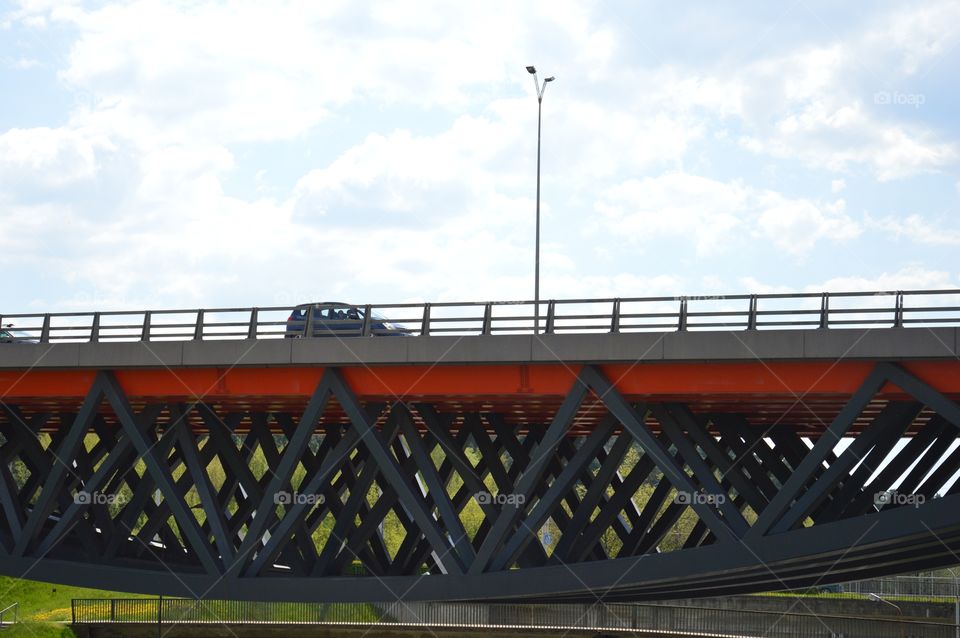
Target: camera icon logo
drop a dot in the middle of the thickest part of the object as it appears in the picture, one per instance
(83, 498)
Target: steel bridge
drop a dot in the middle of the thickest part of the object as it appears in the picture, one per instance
(627, 449)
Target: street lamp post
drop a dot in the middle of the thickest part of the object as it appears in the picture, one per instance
(536, 277)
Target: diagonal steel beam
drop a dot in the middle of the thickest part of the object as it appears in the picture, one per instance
(201, 482)
(118, 456)
(581, 543)
(700, 470)
(922, 391)
(718, 456)
(441, 499)
(551, 499)
(894, 419)
(510, 513)
(186, 521)
(66, 452)
(266, 511)
(859, 500)
(373, 440)
(634, 424)
(809, 466)
(295, 514)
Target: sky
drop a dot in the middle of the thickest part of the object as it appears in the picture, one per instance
(205, 154)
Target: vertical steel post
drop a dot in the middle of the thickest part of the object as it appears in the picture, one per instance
(536, 276)
(254, 330)
(198, 328)
(145, 334)
(95, 328)
(425, 325)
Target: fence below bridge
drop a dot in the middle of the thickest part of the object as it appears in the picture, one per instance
(618, 618)
(906, 586)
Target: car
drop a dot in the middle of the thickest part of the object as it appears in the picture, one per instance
(338, 319)
(9, 335)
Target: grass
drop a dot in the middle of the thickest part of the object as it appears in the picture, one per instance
(44, 602)
(32, 629)
(852, 596)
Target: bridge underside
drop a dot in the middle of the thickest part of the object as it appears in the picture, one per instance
(479, 482)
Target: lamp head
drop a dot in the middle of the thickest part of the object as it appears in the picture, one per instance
(550, 79)
(531, 69)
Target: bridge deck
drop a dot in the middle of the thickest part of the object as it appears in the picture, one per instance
(726, 345)
(799, 378)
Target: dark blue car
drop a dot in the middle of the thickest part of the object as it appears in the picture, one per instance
(9, 335)
(332, 318)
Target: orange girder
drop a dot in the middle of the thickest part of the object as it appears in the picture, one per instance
(747, 380)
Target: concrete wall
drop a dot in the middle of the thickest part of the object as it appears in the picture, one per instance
(769, 345)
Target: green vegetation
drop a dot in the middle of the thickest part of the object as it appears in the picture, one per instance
(38, 630)
(44, 602)
(852, 596)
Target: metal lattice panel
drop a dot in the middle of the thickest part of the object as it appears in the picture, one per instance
(408, 500)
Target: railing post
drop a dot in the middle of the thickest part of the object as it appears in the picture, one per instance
(198, 329)
(487, 319)
(425, 324)
(160, 617)
(145, 334)
(898, 311)
(254, 331)
(45, 331)
(551, 316)
(95, 328)
(752, 313)
(825, 311)
(365, 330)
(682, 318)
(615, 317)
(308, 324)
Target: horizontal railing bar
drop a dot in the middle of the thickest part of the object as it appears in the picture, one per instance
(619, 315)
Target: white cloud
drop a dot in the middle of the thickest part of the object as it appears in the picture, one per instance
(918, 229)
(912, 277)
(50, 157)
(716, 213)
(813, 103)
(230, 123)
(908, 278)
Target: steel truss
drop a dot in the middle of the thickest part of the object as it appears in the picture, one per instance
(403, 501)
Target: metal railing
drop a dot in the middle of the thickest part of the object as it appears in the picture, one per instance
(906, 586)
(613, 618)
(878, 309)
(8, 613)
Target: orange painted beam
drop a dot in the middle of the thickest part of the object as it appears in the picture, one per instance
(721, 379)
